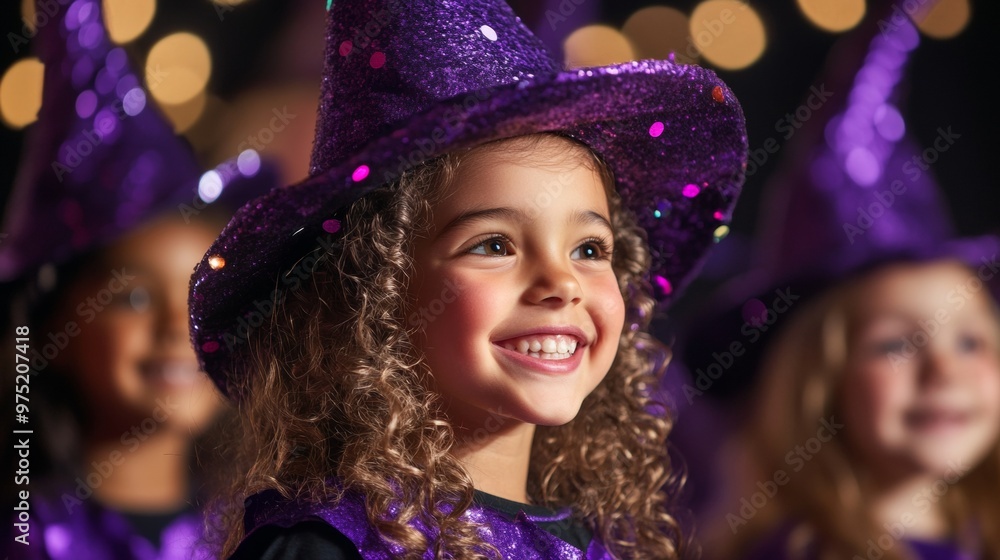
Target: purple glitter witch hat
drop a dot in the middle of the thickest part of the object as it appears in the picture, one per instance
(101, 160)
(859, 194)
(405, 82)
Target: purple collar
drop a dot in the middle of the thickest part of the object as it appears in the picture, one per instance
(519, 537)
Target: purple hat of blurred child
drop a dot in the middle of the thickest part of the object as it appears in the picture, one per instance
(101, 160)
(854, 194)
(405, 82)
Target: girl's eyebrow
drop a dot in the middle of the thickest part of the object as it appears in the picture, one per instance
(131, 267)
(870, 316)
(582, 217)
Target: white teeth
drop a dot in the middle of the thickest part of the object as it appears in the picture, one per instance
(548, 356)
(558, 347)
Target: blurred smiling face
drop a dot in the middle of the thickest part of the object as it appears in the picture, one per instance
(519, 308)
(133, 358)
(922, 391)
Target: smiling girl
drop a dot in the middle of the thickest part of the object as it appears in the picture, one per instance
(467, 372)
(911, 375)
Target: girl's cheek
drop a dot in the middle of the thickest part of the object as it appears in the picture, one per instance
(877, 398)
(611, 304)
(988, 385)
(123, 336)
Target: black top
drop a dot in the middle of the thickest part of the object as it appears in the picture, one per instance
(151, 525)
(317, 539)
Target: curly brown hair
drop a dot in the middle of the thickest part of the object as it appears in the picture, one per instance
(336, 387)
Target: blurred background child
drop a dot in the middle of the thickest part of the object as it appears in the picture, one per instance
(874, 337)
(109, 215)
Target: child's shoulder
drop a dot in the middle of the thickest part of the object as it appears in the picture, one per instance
(278, 528)
(282, 529)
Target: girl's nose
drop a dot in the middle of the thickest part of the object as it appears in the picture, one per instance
(554, 282)
(173, 319)
(939, 366)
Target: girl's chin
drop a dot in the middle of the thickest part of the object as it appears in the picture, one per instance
(941, 463)
(552, 418)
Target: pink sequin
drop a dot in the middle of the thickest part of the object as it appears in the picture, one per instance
(377, 60)
(691, 191)
(718, 215)
(346, 47)
(210, 346)
(360, 173)
(664, 284)
(656, 130)
(331, 226)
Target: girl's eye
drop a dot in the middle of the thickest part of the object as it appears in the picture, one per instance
(969, 343)
(894, 346)
(595, 249)
(495, 246)
(137, 299)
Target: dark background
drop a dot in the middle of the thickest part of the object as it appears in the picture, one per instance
(951, 85)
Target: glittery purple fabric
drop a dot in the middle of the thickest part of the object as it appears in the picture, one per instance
(100, 160)
(87, 530)
(520, 538)
(408, 81)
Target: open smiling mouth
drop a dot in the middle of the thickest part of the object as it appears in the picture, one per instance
(174, 373)
(545, 347)
(937, 419)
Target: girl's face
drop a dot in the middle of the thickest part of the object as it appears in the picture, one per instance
(133, 358)
(519, 308)
(922, 390)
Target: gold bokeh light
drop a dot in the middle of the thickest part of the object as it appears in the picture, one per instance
(834, 16)
(728, 33)
(21, 92)
(597, 45)
(945, 19)
(657, 31)
(178, 68)
(128, 19)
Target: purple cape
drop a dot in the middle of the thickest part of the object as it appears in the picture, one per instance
(519, 538)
